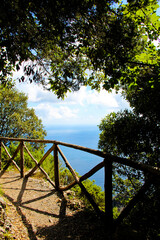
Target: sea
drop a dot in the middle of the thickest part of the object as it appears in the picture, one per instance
(86, 136)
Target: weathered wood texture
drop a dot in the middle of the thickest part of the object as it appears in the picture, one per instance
(11, 160)
(126, 161)
(106, 163)
(56, 166)
(15, 164)
(22, 159)
(40, 162)
(42, 170)
(108, 199)
(87, 194)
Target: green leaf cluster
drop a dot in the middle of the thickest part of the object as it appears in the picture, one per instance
(28, 162)
(16, 118)
(135, 133)
(94, 190)
(65, 40)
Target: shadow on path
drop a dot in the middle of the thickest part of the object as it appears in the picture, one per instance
(29, 227)
(14, 179)
(81, 225)
(18, 204)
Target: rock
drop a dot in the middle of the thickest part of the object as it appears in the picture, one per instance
(74, 204)
(2, 230)
(5, 224)
(2, 202)
(70, 193)
(2, 216)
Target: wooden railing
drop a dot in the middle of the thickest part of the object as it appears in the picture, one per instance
(106, 162)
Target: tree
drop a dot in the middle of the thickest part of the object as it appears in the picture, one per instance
(64, 39)
(129, 134)
(16, 118)
(135, 134)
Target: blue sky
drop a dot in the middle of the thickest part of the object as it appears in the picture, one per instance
(84, 107)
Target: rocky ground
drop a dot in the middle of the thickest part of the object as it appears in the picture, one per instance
(33, 210)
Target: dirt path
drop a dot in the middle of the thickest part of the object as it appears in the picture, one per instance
(38, 212)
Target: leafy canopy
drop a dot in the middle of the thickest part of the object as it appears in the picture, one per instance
(135, 134)
(61, 40)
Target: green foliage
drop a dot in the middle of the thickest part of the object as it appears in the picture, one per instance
(129, 134)
(66, 176)
(1, 192)
(16, 119)
(116, 212)
(64, 39)
(124, 188)
(28, 162)
(5, 68)
(8, 236)
(136, 134)
(94, 190)
(145, 217)
(48, 166)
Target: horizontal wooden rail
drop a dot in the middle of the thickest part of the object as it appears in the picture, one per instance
(125, 161)
(85, 149)
(107, 163)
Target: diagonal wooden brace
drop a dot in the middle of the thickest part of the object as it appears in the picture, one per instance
(42, 170)
(40, 162)
(15, 164)
(11, 159)
(87, 194)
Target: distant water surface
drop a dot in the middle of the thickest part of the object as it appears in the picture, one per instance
(86, 136)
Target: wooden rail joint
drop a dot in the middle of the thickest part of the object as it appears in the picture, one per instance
(107, 164)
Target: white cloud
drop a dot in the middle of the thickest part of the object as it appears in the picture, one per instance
(50, 114)
(92, 97)
(84, 96)
(85, 106)
(157, 43)
(36, 93)
(102, 98)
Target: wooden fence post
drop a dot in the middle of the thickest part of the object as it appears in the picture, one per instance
(22, 159)
(56, 167)
(108, 199)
